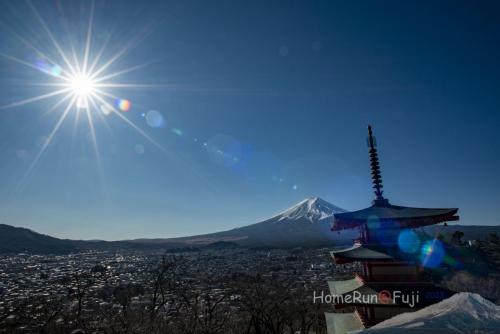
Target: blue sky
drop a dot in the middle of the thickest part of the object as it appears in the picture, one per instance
(280, 93)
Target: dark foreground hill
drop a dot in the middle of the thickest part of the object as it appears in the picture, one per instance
(18, 240)
(23, 240)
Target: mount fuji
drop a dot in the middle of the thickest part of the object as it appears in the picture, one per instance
(313, 209)
(305, 224)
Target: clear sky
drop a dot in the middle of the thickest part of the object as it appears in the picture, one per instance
(253, 106)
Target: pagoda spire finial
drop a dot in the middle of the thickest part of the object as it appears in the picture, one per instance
(375, 169)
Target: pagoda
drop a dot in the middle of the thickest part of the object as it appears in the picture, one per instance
(391, 279)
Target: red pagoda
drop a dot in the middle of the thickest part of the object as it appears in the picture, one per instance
(392, 279)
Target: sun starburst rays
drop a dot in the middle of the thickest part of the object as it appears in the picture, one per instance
(80, 81)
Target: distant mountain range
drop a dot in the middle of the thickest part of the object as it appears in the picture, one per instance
(23, 240)
(306, 224)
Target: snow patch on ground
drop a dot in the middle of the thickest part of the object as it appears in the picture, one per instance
(460, 314)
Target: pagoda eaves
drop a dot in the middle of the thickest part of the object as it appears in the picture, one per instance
(405, 217)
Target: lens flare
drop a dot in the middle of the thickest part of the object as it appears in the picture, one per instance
(47, 67)
(225, 151)
(408, 241)
(432, 254)
(154, 119)
(177, 131)
(373, 223)
(384, 231)
(106, 109)
(123, 105)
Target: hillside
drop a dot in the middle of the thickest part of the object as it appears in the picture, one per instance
(20, 240)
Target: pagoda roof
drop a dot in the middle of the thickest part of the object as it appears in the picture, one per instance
(343, 323)
(396, 216)
(344, 286)
(348, 287)
(359, 252)
(382, 213)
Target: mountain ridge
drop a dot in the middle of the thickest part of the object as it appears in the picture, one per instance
(305, 224)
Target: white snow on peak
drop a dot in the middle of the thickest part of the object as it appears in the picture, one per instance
(312, 209)
(461, 313)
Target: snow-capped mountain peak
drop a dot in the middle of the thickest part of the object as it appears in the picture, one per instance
(312, 209)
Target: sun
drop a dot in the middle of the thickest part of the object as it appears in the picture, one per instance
(82, 85)
(81, 81)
